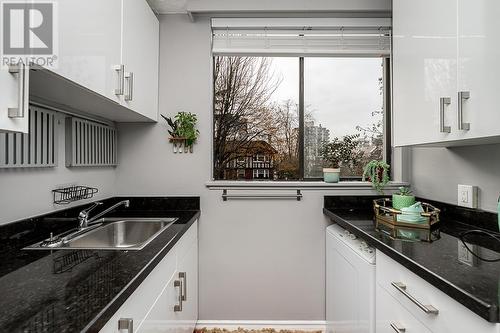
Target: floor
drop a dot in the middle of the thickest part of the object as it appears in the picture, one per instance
(241, 330)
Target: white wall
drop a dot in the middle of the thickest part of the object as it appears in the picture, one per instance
(258, 259)
(27, 192)
(436, 172)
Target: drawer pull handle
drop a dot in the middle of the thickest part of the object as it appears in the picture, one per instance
(401, 287)
(23, 71)
(120, 70)
(129, 93)
(398, 328)
(126, 324)
(462, 96)
(178, 307)
(443, 102)
(183, 276)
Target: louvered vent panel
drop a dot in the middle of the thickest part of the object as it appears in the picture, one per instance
(90, 144)
(37, 149)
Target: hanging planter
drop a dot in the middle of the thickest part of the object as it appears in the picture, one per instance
(377, 172)
(183, 132)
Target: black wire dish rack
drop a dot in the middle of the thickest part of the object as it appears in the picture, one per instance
(66, 195)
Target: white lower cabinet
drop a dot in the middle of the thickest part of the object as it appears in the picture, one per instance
(188, 267)
(392, 317)
(436, 311)
(167, 300)
(176, 309)
(162, 316)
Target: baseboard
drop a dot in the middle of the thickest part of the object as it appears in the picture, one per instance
(301, 325)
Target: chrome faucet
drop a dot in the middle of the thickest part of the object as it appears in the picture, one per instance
(83, 217)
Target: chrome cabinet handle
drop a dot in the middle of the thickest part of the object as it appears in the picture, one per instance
(183, 276)
(397, 328)
(126, 324)
(120, 70)
(178, 307)
(462, 95)
(443, 102)
(23, 87)
(428, 309)
(130, 86)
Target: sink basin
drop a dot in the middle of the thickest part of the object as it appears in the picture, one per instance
(113, 234)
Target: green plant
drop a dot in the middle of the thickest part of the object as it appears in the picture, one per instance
(378, 173)
(341, 152)
(183, 126)
(404, 191)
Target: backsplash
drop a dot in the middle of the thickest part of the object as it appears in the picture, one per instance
(474, 217)
(436, 172)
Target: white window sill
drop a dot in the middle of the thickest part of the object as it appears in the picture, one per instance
(301, 185)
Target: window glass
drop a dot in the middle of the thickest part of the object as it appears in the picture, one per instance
(343, 97)
(256, 115)
(257, 122)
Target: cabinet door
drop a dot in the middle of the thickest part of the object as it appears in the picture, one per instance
(479, 67)
(12, 97)
(188, 266)
(140, 53)
(393, 317)
(90, 43)
(142, 299)
(424, 70)
(162, 317)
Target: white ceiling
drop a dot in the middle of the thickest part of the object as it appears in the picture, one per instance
(168, 6)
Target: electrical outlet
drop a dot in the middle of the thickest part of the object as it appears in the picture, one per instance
(464, 255)
(467, 196)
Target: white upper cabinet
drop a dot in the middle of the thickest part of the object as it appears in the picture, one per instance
(444, 70)
(424, 70)
(90, 43)
(479, 66)
(112, 48)
(140, 56)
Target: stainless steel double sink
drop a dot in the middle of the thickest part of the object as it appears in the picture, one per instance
(110, 234)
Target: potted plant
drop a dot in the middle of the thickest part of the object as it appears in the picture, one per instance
(377, 172)
(403, 198)
(338, 153)
(183, 132)
(331, 159)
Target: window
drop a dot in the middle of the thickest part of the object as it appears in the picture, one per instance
(261, 173)
(281, 111)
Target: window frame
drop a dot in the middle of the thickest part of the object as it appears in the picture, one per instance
(387, 119)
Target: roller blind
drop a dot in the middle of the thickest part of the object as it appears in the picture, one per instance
(363, 37)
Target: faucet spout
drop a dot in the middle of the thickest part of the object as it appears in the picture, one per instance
(83, 216)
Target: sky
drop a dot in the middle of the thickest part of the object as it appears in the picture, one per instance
(340, 92)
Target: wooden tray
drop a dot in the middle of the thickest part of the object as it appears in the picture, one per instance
(385, 214)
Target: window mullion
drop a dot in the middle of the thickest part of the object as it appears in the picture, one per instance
(301, 118)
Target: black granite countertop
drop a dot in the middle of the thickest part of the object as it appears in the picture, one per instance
(79, 290)
(477, 287)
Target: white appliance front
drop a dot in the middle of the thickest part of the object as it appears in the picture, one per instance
(350, 283)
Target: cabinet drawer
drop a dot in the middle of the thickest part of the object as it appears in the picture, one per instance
(451, 316)
(141, 300)
(391, 316)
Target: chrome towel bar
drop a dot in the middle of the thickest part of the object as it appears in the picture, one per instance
(226, 196)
